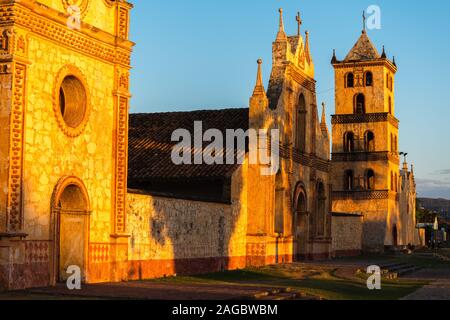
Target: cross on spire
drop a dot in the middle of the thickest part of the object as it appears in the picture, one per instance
(364, 21)
(299, 23)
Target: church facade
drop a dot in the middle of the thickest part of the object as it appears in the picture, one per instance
(63, 147)
(86, 184)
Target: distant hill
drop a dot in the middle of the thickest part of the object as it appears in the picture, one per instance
(439, 205)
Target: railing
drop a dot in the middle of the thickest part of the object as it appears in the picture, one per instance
(362, 118)
(364, 195)
(305, 159)
(365, 156)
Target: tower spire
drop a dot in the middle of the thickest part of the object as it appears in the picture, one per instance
(334, 59)
(299, 23)
(281, 34)
(259, 87)
(383, 54)
(323, 123)
(307, 51)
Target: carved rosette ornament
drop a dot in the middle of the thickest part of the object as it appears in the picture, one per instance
(82, 4)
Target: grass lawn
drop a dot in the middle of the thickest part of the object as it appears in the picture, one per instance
(323, 283)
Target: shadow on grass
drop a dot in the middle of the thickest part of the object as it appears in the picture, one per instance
(325, 285)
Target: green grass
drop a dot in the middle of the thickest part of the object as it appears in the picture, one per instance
(324, 284)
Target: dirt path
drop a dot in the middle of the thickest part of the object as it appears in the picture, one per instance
(439, 290)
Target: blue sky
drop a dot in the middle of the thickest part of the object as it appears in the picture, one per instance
(201, 54)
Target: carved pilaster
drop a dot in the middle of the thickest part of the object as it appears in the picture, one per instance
(120, 138)
(122, 21)
(17, 124)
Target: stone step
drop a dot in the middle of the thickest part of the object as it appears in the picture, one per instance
(391, 265)
(399, 268)
(406, 271)
(394, 274)
(280, 294)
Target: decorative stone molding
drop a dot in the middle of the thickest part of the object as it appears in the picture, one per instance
(14, 207)
(365, 156)
(298, 77)
(362, 118)
(99, 252)
(5, 68)
(70, 70)
(121, 169)
(122, 22)
(52, 26)
(6, 43)
(373, 63)
(361, 195)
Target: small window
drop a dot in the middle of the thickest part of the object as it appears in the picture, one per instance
(392, 181)
(300, 134)
(390, 105)
(370, 180)
(369, 141)
(392, 143)
(368, 79)
(359, 104)
(349, 142)
(350, 80)
(348, 180)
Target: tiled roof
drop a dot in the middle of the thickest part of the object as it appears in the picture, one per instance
(150, 144)
(363, 50)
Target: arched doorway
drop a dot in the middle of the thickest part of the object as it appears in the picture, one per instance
(395, 236)
(71, 211)
(320, 220)
(300, 224)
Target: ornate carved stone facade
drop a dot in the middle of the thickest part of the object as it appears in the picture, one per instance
(64, 120)
(297, 219)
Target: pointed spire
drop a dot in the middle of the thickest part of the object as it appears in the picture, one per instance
(412, 168)
(299, 23)
(334, 59)
(405, 166)
(383, 54)
(281, 34)
(307, 52)
(362, 50)
(323, 123)
(393, 61)
(259, 87)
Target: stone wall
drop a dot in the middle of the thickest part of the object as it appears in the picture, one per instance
(347, 233)
(171, 236)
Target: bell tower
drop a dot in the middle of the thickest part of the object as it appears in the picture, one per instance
(365, 160)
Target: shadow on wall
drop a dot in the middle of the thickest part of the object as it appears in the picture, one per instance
(181, 237)
(374, 234)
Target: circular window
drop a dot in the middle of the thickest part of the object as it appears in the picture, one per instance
(71, 101)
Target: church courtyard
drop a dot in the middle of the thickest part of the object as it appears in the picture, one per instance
(341, 279)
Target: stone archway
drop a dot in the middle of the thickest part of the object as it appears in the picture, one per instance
(70, 211)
